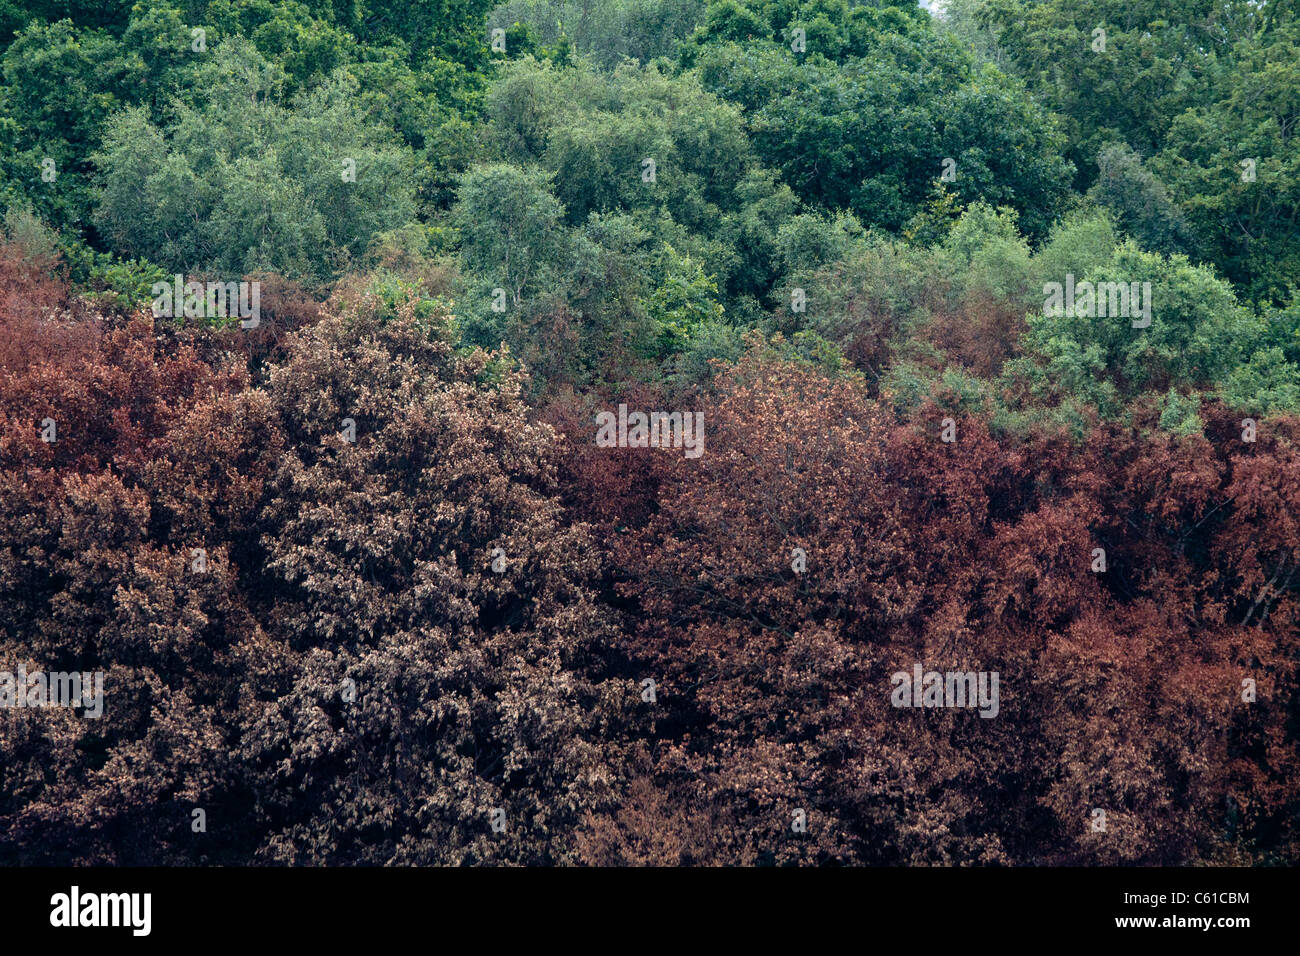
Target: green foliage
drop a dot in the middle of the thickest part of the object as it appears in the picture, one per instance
(1180, 414)
(1207, 91)
(986, 250)
(1158, 59)
(1266, 383)
(1140, 201)
(643, 142)
(454, 30)
(119, 283)
(60, 86)
(682, 303)
(1233, 163)
(109, 15)
(23, 226)
(811, 240)
(1082, 241)
(835, 29)
(632, 213)
(605, 32)
(962, 19)
(240, 184)
(865, 123)
(1198, 332)
(935, 218)
(509, 224)
(908, 384)
(864, 300)
(304, 44)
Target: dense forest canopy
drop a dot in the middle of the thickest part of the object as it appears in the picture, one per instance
(988, 316)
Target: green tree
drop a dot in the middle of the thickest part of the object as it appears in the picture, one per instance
(683, 303)
(873, 132)
(1119, 70)
(1233, 164)
(1198, 334)
(60, 86)
(241, 184)
(511, 228)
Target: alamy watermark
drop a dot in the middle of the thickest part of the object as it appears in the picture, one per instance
(57, 689)
(77, 909)
(683, 430)
(1125, 300)
(215, 300)
(946, 689)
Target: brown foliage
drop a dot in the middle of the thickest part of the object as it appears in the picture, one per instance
(156, 453)
(351, 680)
(473, 685)
(1119, 690)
